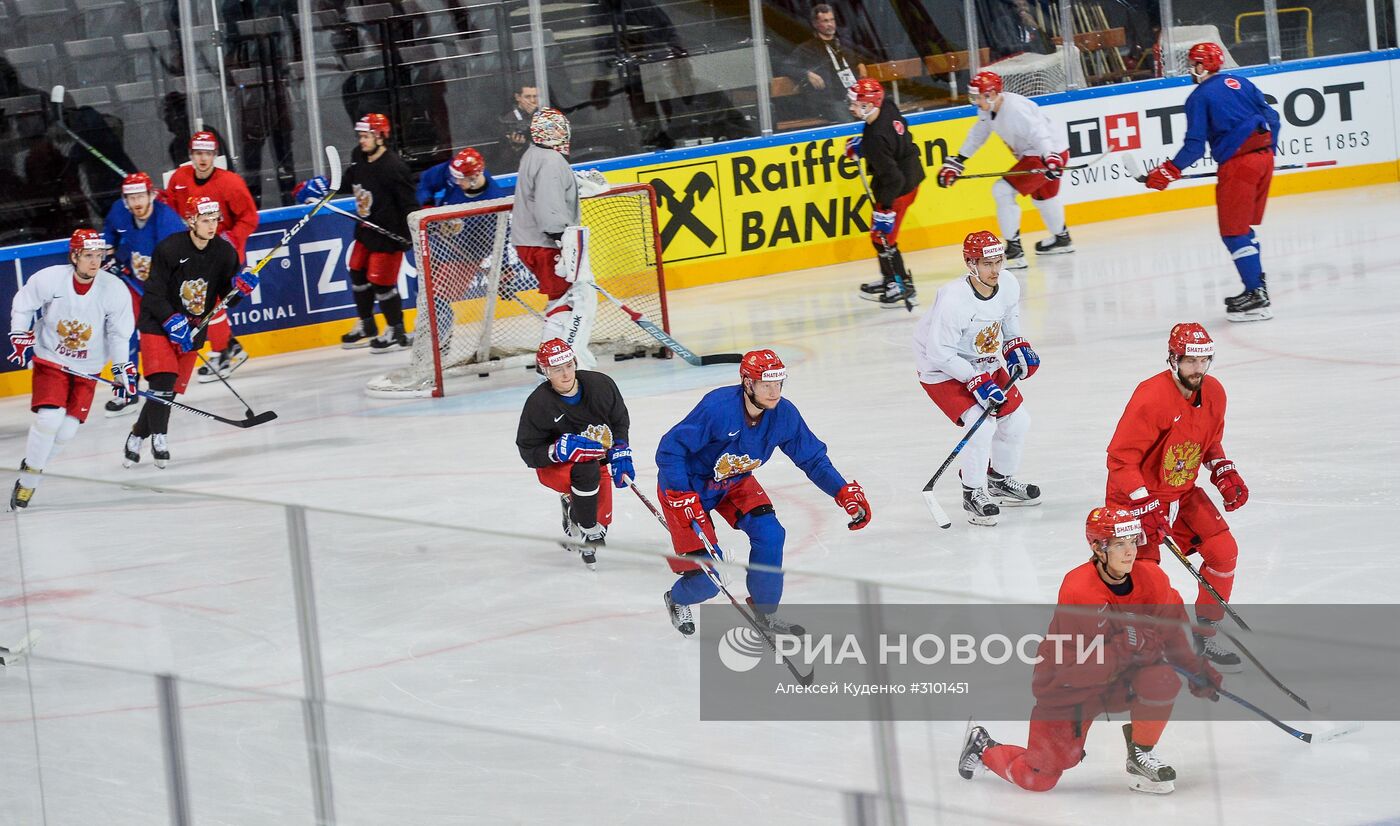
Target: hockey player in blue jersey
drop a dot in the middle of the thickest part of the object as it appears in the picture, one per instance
(134, 225)
(1231, 115)
(706, 463)
(462, 180)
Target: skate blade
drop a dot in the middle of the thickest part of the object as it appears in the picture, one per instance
(161, 463)
(129, 462)
(207, 378)
(1142, 784)
(355, 345)
(899, 305)
(872, 296)
(1015, 503)
(1252, 315)
(1015, 264)
(983, 521)
(1056, 251)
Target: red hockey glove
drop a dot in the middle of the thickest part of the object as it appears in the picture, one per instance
(685, 504)
(853, 146)
(1135, 646)
(1149, 511)
(950, 171)
(1207, 681)
(1229, 483)
(22, 341)
(1162, 176)
(1054, 167)
(125, 375)
(852, 500)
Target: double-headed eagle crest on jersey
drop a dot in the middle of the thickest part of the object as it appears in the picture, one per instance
(988, 341)
(364, 201)
(73, 338)
(728, 465)
(600, 433)
(195, 294)
(1179, 463)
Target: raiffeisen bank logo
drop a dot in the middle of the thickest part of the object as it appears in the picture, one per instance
(741, 649)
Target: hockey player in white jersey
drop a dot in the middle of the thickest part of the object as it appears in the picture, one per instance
(1040, 148)
(84, 318)
(959, 346)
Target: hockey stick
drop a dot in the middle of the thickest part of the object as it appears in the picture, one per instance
(251, 421)
(56, 97)
(665, 338)
(654, 512)
(1306, 737)
(10, 656)
(1016, 173)
(247, 408)
(333, 159)
(397, 239)
(885, 244)
(1135, 171)
(1176, 551)
(939, 515)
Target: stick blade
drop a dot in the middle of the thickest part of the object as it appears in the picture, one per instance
(1133, 167)
(56, 96)
(1340, 730)
(939, 515)
(721, 358)
(333, 164)
(261, 418)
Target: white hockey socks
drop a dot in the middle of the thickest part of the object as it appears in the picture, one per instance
(1009, 440)
(1052, 212)
(973, 459)
(1008, 212)
(39, 446)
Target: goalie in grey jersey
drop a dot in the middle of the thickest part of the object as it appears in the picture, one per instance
(548, 233)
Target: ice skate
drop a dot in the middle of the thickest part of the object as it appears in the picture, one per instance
(981, 510)
(681, 617)
(894, 295)
(121, 406)
(20, 496)
(1058, 245)
(1235, 300)
(1252, 306)
(392, 340)
(160, 451)
(12, 654)
(1008, 492)
(131, 452)
(1224, 660)
(360, 335)
(975, 741)
(567, 520)
(774, 624)
(223, 363)
(593, 539)
(873, 288)
(1145, 772)
(1015, 256)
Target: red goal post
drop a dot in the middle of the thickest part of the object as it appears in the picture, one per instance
(479, 307)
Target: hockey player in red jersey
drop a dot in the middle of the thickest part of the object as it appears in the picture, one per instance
(573, 432)
(1172, 426)
(1039, 146)
(1135, 611)
(895, 175)
(239, 218)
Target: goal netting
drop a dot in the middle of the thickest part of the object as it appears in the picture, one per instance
(1183, 38)
(1033, 74)
(479, 307)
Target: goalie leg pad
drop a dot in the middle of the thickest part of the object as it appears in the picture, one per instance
(573, 264)
(578, 325)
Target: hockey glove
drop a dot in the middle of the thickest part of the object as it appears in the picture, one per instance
(1153, 517)
(1227, 480)
(853, 146)
(21, 342)
(1162, 176)
(124, 374)
(1136, 646)
(311, 191)
(852, 500)
(245, 282)
(1018, 353)
(685, 508)
(882, 222)
(572, 447)
(620, 464)
(1054, 167)
(177, 327)
(1206, 681)
(986, 391)
(950, 171)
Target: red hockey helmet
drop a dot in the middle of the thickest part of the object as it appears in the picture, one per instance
(1190, 339)
(762, 365)
(866, 90)
(553, 353)
(374, 123)
(982, 244)
(1208, 54)
(86, 239)
(204, 142)
(204, 205)
(1109, 522)
(467, 164)
(986, 83)
(137, 183)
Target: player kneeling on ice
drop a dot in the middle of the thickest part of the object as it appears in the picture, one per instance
(1172, 426)
(959, 345)
(706, 463)
(189, 273)
(1132, 669)
(1040, 149)
(895, 175)
(84, 319)
(1229, 113)
(573, 432)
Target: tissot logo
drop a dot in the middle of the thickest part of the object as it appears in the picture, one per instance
(1112, 133)
(688, 209)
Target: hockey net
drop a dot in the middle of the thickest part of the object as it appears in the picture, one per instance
(479, 307)
(1183, 38)
(1033, 74)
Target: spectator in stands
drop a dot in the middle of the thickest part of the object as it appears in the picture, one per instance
(824, 67)
(1010, 27)
(516, 124)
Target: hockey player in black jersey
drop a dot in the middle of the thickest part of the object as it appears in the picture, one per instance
(895, 175)
(574, 428)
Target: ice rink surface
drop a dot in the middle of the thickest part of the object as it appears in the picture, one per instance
(573, 699)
